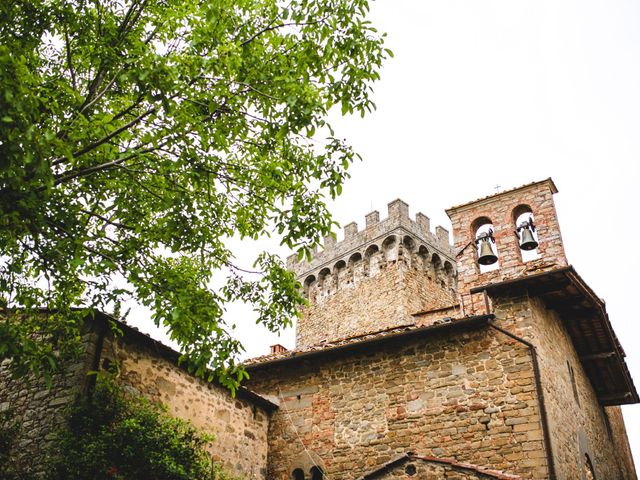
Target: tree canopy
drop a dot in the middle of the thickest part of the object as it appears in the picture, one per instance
(138, 136)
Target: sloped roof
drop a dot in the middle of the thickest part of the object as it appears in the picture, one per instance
(585, 317)
(354, 344)
(133, 335)
(468, 467)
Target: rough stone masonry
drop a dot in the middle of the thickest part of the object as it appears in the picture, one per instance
(412, 361)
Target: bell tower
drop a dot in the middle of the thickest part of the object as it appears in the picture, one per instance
(379, 278)
(506, 236)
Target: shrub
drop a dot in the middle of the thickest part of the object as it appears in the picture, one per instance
(114, 435)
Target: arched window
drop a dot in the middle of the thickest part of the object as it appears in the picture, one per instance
(482, 230)
(308, 283)
(370, 261)
(371, 250)
(526, 232)
(297, 474)
(317, 473)
(355, 258)
(389, 248)
(323, 275)
(338, 270)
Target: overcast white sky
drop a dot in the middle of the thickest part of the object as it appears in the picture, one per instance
(484, 93)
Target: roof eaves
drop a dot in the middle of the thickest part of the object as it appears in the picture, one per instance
(577, 282)
(133, 334)
(453, 325)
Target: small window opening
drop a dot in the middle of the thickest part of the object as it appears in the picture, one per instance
(355, 258)
(389, 248)
(526, 233)
(317, 473)
(410, 470)
(487, 252)
(589, 473)
(297, 474)
(573, 383)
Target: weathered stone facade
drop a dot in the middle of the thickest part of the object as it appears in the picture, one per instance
(38, 411)
(465, 395)
(144, 367)
(501, 212)
(239, 425)
(375, 279)
(385, 362)
(577, 421)
(412, 361)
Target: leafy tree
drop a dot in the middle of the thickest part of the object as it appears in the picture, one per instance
(138, 136)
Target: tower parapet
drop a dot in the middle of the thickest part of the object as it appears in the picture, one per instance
(399, 266)
(375, 232)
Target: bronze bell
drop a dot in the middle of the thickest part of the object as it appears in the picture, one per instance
(485, 254)
(527, 241)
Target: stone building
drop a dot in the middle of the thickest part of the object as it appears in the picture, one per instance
(146, 367)
(415, 360)
(488, 359)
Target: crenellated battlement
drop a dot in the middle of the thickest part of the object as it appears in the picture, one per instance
(375, 278)
(413, 233)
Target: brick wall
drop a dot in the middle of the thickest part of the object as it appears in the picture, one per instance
(501, 209)
(469, 396)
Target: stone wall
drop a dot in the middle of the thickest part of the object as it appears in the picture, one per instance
(578, 423)
(395, 267)
(386, 296)
(469, 396)
(239, 425)
(620, 440)
(39, 411)
(147, 368)
(423, 468)
(374, 233)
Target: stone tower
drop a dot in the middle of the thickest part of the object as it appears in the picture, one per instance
(382, 277)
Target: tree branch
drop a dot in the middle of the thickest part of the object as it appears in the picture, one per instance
(69, 61)
(106, 138)
(97, 168)
(282, 25)
(106, 220)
